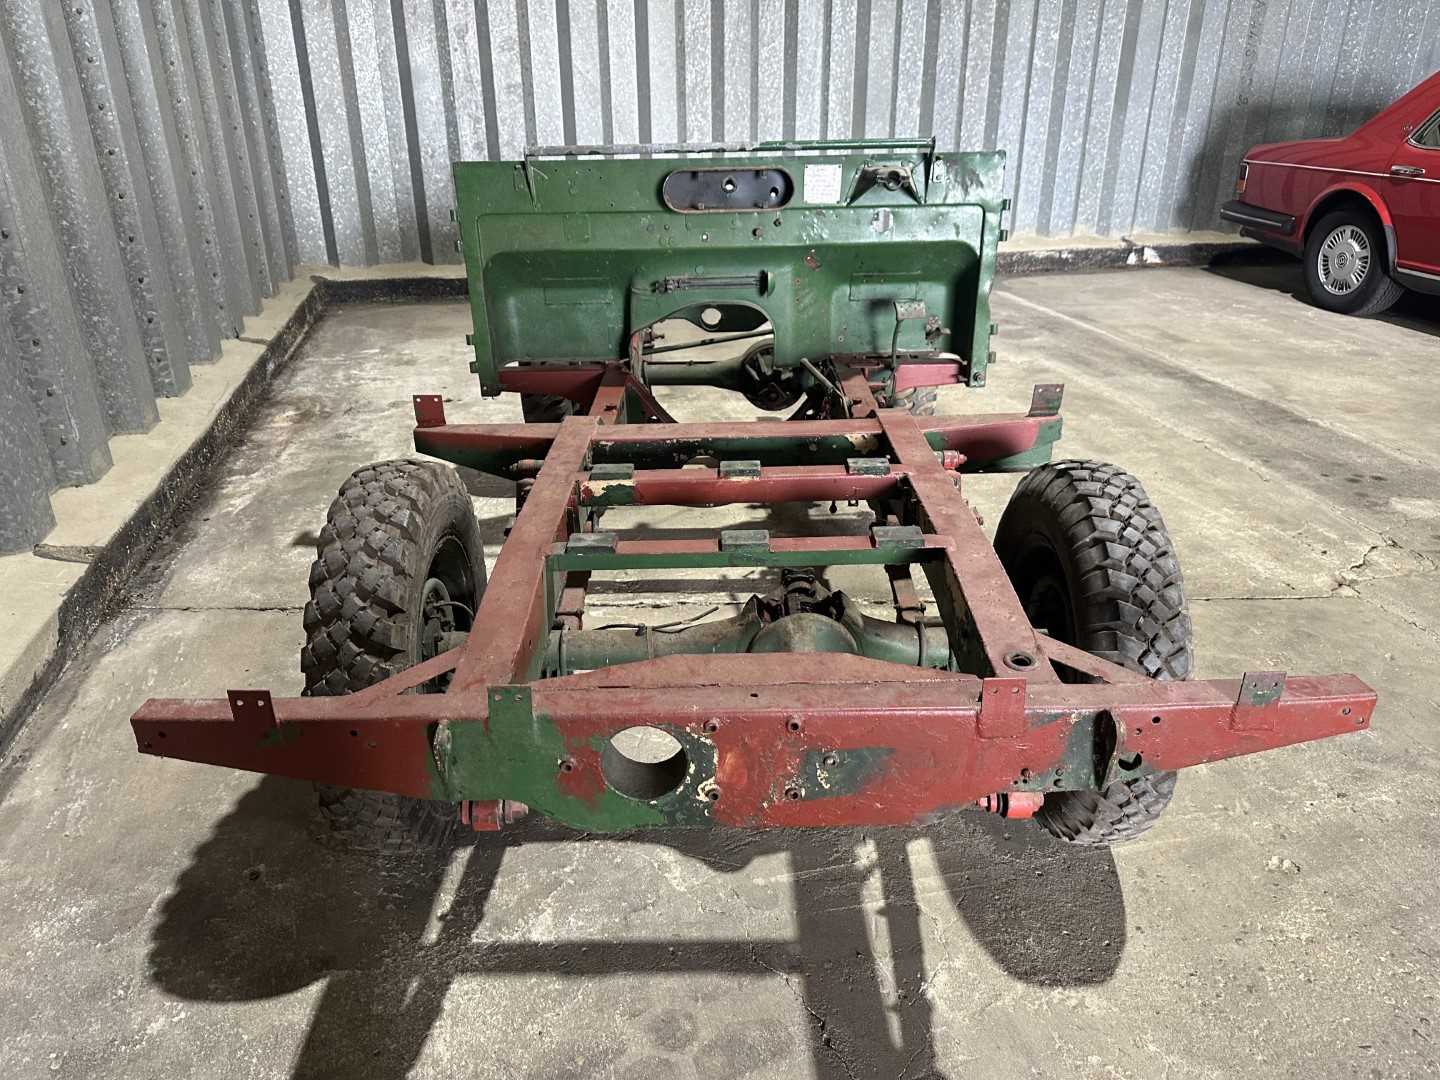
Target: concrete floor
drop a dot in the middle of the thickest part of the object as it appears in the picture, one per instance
(163, 919)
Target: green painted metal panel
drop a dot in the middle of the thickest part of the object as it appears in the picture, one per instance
(567, 257)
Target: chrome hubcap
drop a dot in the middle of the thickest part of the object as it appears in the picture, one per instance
(1344, 260)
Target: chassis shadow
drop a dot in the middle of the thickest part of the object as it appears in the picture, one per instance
(265, 910)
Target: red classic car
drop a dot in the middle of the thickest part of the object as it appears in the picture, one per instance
(1362, 211)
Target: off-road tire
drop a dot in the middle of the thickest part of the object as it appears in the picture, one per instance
(1124, 598)
(917, 401)
(1126, 809)
(1377, 293)
(389, 824)
(382, 538)
(545, 408)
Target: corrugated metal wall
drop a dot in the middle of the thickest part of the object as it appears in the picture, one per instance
(1119, 115)
(165, 162)
(142, 216)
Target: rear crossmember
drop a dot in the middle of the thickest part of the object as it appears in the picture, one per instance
(893, 734)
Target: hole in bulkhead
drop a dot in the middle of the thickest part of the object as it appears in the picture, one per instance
(644, 763)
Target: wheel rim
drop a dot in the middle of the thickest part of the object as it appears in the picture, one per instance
(1046, 599)
(1343, 260)
(445, 603)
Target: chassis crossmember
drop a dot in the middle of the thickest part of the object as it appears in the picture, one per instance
(887, 728)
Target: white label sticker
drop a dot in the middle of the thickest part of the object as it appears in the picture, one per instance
(822, 183)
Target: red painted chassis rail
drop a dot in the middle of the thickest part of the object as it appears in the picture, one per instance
(951, 739)
(939, 739)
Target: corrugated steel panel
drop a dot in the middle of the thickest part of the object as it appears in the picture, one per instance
(144, 212)
(168, 161)
(1119, 115)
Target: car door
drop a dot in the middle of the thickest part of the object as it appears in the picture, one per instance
(1413, 195)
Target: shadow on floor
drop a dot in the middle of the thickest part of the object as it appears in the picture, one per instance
(264, 910)
(1278, 272)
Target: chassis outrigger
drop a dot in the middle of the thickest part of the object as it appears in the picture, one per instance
(845, 280)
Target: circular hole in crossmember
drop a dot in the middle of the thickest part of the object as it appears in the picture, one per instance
(644, 763)
(711, 316)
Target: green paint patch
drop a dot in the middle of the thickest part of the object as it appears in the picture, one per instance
(829, 774)
(281, 735)
(520, 754)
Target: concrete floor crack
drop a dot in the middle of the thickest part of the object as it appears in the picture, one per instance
(821, 1024)
(1263, 596)
(1355, 574)
(944, 962)
(290, 609)
(943, 934)
(1355, 568)
(1397, 614)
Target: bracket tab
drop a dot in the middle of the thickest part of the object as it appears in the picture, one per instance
(744, 540)
(1002, 708)
(429, 410)
(867, 466)
(614, 470)
(905, 310)
(253, 708)
(902, 536)
(1255, 706)
(591, 541)
(1045, 399)
(740, 470)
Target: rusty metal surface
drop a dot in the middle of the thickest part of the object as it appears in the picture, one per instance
(919, 741)
(987, 441)
(577, 382)
(514, 601)
(764, 741)
(707, 487)
(972, 578)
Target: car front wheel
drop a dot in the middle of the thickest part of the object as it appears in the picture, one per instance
(1345, 265)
